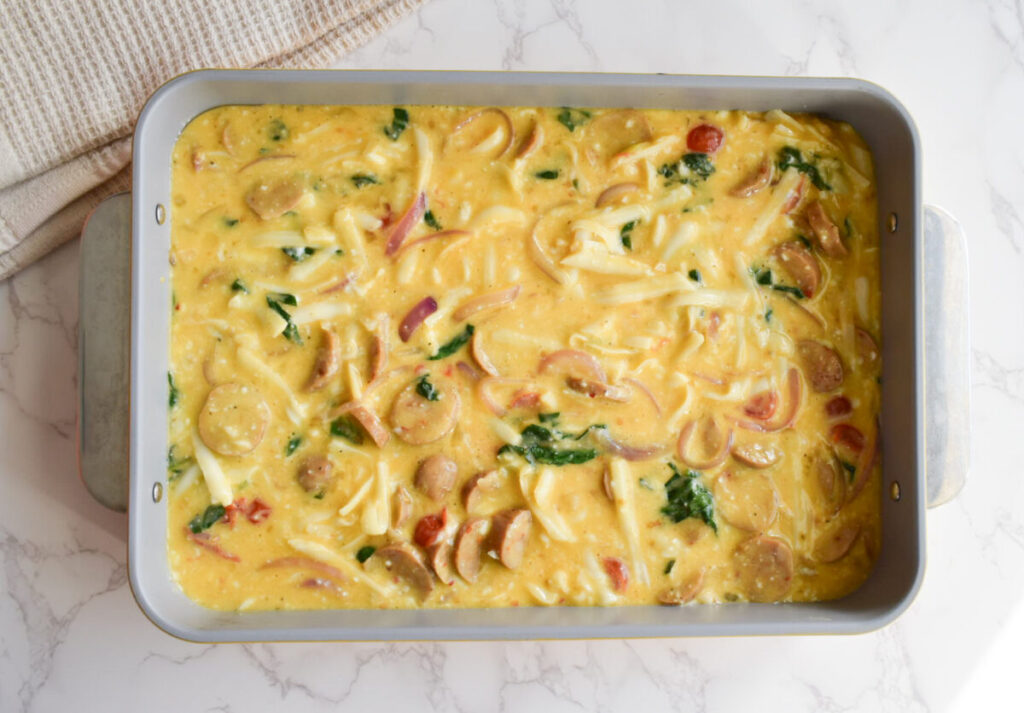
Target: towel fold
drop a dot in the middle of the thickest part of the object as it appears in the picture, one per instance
(74, 76)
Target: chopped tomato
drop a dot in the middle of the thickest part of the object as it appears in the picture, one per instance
(762, 405)
(232, 510)
(838, 407)
(387, 216)
(430, 528)
(704, 138)
(844, 434)
(258, 511)
(617, 572)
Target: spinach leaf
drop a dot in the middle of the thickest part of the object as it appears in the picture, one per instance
(365, 552)
(803, 239)
(277, 130)
(551, 418)
(291, 332)
(293, 444)
(790, 157)
(571, 118)
(669, 565)
(625, 234)
(548, 175)
(175, 465)
(431, 220)
(399, 122)
(239, 286)
(850, 468)
(455, 344)
(695, 276)
(207, 519)
(699, 163)
(646, 484)
(540, 445)
(230, 222)
(768, 315)
(687, 497)
(361, 180)
(425, 389)
(763, 276)
(298, 254)
(347, 428)
(173, 395)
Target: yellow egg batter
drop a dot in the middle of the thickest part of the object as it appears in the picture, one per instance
(435, 356)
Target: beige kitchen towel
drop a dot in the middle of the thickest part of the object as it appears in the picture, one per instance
(75, 74)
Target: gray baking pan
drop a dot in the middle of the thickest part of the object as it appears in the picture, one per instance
(925, 351)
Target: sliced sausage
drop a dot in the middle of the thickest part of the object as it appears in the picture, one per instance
(234, 419)
(685, 591)
(418, 420)
(474, 489)
(801, 265)
(272, 200)
(598, 388)
(315, 473)
(764, 568)
(435, 476)
(755, 182)
(831, 482)
(756, 455)
(617, 572)
(834, 545)
(822, 365)
(825, 231)
(705, 138)
(405, 561)
(469, 544)
(867, 348)
(509, 531)
(762, 405)
(328, 361)
(440, 558)
(401, 507)
(747, 501)
(838, 407)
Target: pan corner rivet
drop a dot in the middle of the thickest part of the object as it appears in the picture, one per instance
(161, 214)
(894, 491)
(892, 223)
(158, 491)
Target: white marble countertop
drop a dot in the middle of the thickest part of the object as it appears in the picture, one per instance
(72, 637)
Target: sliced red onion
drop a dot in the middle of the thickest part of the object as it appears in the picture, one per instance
(485, 388)
(532, 141)
(491, 299)
(407, 222)
(305, 563)
(713, 461)
(646, 391)
(630, 453)
(510, 133)
(575, 362)
(469, 370)
(206, 541)
(423, 309)
(788, 416)
(613, 193)
(432, 236)
(480, 356)
(261, 159)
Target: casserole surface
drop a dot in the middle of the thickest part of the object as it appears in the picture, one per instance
(618, 295)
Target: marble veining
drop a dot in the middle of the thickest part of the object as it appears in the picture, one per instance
(72, 637)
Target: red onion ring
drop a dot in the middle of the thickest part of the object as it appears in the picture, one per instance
(630, 453)
(510, 133)
(712, 462)
(412, 216)
(423, 309)
(491, 299)
(305, 563)
(615, 192)
(483, 390)
(647, 392)
(480, 356)
(573, 357)
(787, 417)
(204, 540)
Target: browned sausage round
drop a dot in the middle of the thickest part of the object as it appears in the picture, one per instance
(764, 568)
(825, 231)
(685, 591)
(435, 476)
(747, 501)
(832, 483)
(867, 348)
(440, 557)
(834, 545)
(756, 181)
(405, 561)
(234, 419)
(475, 488)
(328, 360)
(509, 531)
(801, 265)
(272, 200)
(469, 543)
(401, 507)
(418, 420)
(315, 473)
(756, 455)
(822, 365)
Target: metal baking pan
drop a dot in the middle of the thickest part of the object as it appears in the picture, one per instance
(924, 417)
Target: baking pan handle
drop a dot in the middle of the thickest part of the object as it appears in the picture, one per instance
(104, 310)
(947, 357)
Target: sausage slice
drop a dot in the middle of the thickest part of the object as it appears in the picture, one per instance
(801, 265)
(328, 360)
(756, 455)
(469, 543)
(435, 476)
(832, 484)
(764, 568)
(747, 501)
(756, 181)
(440, 558)
(834, 545)
(272, 200)
(822, 365)
(401, 507)
(474, 489)
(405, 561)
(509, 531)
(234, 419)
(418, 420)
(685, 591)
(315, 473)
(825, 231)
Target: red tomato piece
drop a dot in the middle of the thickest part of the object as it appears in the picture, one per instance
(762, 406)
(617, 572)
(704, 138)
(838, 407)
(430, 528)
(258, 511)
